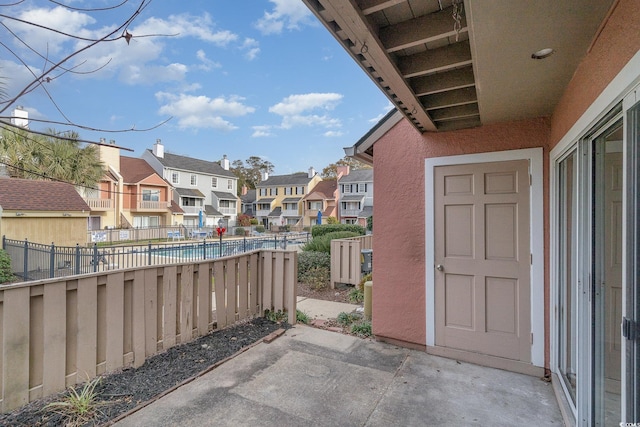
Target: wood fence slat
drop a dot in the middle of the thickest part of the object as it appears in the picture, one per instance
(15, 352)
(220, 290)
(170, 295)
(291, 285)
(267, 280)
(204, 297)
(115, 320)
(55, 337)
(243, 287)
(139, 336)
(278, 281)
(186, 315)
(232, 286)
(151, 309)
(254, 279)
(87, 328)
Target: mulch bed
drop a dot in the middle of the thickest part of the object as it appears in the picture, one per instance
(125, 390)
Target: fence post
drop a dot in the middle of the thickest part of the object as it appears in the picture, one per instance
(95, 257)
(52, 261)
(244, 244)
(26, 260)
(149, 256)
(275, 242)
(77, 259)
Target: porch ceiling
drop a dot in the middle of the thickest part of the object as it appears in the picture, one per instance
(441, 79)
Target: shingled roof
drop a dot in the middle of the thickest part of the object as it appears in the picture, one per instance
(134, 170)
(300, 178)
(34, 195)
(358, 175)
(185, 163)
(325, 189)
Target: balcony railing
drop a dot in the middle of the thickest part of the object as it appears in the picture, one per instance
(263, 212)
(228, 211)
(147, 205)
(291, 212)
(63, 331)
(350, 212)
(99, 204)
(191, 210)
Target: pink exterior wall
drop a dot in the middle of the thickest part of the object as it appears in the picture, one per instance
(612, 48)
(399, 306)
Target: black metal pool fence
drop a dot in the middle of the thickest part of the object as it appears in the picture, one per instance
(35, 261)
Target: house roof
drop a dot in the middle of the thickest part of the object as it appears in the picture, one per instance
(352, 198)
(250, 197)
(366, 212)
(134, 170)
(269, 200)
(300, 178)
(175, 208)
(323, 190)
(189, 192)
(276, 212)
(291, 200)
(35, 195)
(224, 195)
(175, 161)
(443, 79)
(360, 175)
(211, 211)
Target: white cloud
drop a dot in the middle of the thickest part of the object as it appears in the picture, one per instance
(261, 131)
(202, 111)
(289, 14)
(251, 47)
(185, 25)
(333, 133)
(296, 110)
(133, 74)
(206, 63)
(385, 110)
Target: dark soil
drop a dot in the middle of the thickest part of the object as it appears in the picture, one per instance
(339, 294)
(122, 391)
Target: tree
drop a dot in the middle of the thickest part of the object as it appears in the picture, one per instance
(250, 174)
(31, 156)
(331, 171)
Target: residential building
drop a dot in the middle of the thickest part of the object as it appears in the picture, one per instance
(356, 196)
(513, 160)
(279, 197)
(321, 200)
(42, 212)
(206, 191)
(248, 201)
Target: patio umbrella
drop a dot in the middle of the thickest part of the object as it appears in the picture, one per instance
(319, 220)
(200, 219)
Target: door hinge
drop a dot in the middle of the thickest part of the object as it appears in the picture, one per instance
(531, 338)
(531, 259)
(530, 180)
(629, 329)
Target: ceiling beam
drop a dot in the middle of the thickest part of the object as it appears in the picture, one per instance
(450, 98)
(421, 30)
(432, 61)
(354, 25)
(452, 113)
(372, 6)
(454, 79)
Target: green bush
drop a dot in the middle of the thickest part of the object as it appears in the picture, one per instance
(302, 317)
(323, 242)
(366, 278)
(332, 220)
(361, 329)
(370, 223)
(346, 319)
(5, 267)
(356, 296)
(320, 230)
(254, 221)
(260, 228)
(239, 231)
(308, 260)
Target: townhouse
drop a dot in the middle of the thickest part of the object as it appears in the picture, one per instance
(356, 196)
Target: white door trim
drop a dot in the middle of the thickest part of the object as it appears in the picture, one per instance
(535, 157)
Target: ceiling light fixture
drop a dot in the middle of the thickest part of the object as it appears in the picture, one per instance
(543, 53)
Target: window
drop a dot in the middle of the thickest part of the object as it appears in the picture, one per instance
(214, 182)
(194, 179)
(362, 188)
(146, 221)
(315, 206)
(346, 188)
(151, 195)
(263, 191)
(299, 190)
(288, 191)
(175, 177)
(229, 185)
(273, 191)
(224, 203)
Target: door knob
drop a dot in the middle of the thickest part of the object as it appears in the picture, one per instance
(440, 267)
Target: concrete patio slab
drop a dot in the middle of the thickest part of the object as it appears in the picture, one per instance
(321, 309)
(310, 376)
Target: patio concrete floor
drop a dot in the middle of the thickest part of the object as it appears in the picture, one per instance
(313, 377)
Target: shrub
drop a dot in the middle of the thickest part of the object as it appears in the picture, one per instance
(323, 242)
(239, 231)
(356, 295)
(332, 220)
(346, 319)
(308, 260)
(317, 277)
(260, 228)
(275, 316)
(320, 230)
(254, 221)
(244, 220)
(370, 223)
(5, 267)
(366, 278)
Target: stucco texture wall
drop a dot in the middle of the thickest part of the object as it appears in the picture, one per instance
(399, 305)
(616, 43)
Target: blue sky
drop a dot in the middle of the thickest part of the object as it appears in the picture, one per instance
(238, 77)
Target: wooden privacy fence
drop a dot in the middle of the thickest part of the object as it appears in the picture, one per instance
(58, 332)
(345, 259)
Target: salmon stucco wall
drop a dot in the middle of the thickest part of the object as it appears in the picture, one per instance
(616, 43)
(399, 303)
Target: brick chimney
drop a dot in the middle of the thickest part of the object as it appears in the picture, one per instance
(244, 190)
